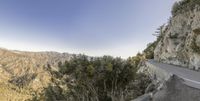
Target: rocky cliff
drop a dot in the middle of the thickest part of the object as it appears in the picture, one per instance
(180, 42)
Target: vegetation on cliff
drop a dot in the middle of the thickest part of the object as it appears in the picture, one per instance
(183, 6)
(149, 51)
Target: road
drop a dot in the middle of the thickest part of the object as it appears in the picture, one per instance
(190, 77)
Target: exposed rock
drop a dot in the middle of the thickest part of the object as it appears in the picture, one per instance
(180, 44)
(175, 90)
(146, 97)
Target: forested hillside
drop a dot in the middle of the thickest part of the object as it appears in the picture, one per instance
(105, 78)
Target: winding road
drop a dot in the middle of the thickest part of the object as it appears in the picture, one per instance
(190, 77)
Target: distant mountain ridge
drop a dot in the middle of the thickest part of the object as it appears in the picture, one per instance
(19, 69)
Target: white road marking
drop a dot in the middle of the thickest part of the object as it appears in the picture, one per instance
(191, 81)
(197, 82)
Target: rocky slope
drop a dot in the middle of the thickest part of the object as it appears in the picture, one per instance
(180, 43)
(22, 74)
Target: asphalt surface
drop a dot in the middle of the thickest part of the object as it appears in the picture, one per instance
(190, 77)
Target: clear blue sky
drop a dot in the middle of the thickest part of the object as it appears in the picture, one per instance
(94, 27)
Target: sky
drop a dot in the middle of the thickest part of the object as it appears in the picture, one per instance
(119, 28)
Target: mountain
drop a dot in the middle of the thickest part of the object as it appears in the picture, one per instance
(171, 66)
(22, 74)
(52, 76)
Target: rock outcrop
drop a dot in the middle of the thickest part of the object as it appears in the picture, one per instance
(175, 90)
(180, 43)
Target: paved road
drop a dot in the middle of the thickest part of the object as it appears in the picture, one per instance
(190, 77)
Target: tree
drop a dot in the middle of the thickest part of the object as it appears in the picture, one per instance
(149, 51)
(97, 79)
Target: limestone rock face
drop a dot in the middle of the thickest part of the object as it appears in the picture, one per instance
(180, 44)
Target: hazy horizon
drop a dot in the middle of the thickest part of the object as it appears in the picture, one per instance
(95, 28)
